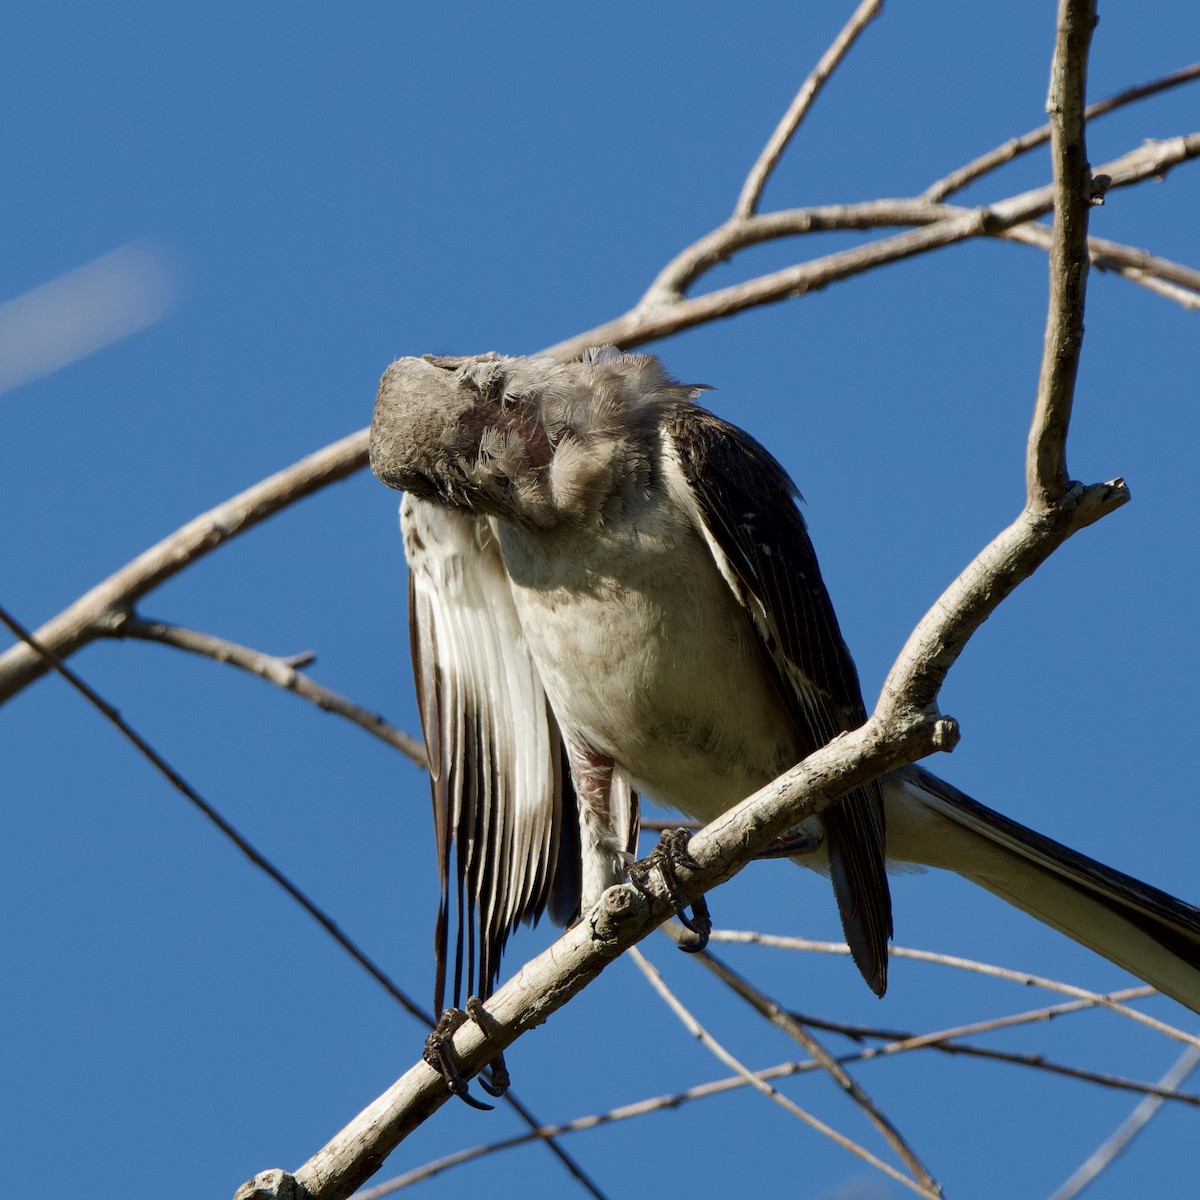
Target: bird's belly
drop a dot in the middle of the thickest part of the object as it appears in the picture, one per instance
(661, 670)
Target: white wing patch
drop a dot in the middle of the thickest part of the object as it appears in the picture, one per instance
(494, 749)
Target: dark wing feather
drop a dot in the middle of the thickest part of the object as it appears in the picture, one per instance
(745, 505)
(503, 806)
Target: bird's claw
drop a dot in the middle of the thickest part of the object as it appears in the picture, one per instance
(498, 1069)
(439, 1054)
(670, 853)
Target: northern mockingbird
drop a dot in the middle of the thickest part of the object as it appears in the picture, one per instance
(613, 594)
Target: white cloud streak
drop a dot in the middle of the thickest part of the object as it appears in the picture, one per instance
(68, 318)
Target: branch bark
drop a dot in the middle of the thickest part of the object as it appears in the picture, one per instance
(280, 671)
(1014, 147)
(923, 1185)
(774, 1012)
(862, 16)
(1047, 479)
(99, 612)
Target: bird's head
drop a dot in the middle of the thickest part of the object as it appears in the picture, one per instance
(533, 441)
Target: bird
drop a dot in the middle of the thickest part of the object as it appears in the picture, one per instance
(613, 595)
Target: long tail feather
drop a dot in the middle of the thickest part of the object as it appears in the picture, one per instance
(1134, 925)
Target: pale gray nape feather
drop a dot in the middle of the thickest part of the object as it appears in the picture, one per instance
(606, 575)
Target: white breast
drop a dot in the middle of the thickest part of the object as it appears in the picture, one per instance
(646, 654)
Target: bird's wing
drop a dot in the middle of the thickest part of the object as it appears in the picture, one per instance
(503, 805)
(744, 505)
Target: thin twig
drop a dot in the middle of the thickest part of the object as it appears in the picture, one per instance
(648, 323)
(756, 180)
(1024, 978)
(279, 671)
(624, 1112)
(898, 1042)
(95, 613)
(181, 785)
(1009, 150)
(1121, 1137)
(715, 1048)
(1046, 476)
(1168, 291)
(1172, 280)
(1038, 1062)
(774, 1012)
(720, 1087)
(1109, 255)
(860, 1033)
(551, 1143)
(1056, 508)
(720, 244)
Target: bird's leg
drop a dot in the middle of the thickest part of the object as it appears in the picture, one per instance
(601, 816)
(670, 853)
(439, 1054)
(607, 819)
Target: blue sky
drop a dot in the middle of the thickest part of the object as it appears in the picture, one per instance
(324, 189)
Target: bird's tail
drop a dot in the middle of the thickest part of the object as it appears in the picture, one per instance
(1132, 924)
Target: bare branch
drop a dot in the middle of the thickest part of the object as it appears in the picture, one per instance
(1024, 978)
(653, 825)
(97, 612)
(1137, 1120)
(774, 1012)
(719, 1087)
(1111, 256)
(624, 1112)
(859, 1033)
(751, 193)
(552, 1144)
(1046, 474)
(721, 243)
(715, 1048)
(1037, 1061)
(948, 1041)
(181, 785)
(941, 635)
(641, 325)
(1014, 147)
(1056, 508)
(1172, 280)
(279, 671)
(1168, 291)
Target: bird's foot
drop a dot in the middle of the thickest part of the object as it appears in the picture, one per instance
(671, 853)
(439, 1054)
